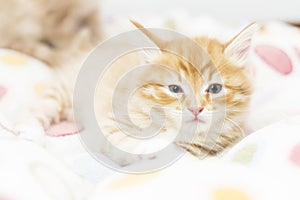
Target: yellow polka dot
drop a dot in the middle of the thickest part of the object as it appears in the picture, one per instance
(126, 181)
(230, 194)
(40, 88)
(14, 59)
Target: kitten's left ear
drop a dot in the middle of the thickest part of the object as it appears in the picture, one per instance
(238, 47)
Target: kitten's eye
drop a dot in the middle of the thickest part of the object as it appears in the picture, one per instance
(175, 89)
(214, 88)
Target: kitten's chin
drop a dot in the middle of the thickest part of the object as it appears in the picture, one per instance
(199, 124)
(196, 121)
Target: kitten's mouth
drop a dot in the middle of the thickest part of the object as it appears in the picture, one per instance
(196, 120)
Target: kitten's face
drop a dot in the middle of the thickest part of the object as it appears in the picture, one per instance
(193, 95)
(216, 93)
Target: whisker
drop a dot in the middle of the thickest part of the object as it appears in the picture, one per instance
(236, 110)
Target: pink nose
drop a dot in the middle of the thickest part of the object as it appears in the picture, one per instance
(196, 111)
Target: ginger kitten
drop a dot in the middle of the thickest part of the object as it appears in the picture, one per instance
(213, 97)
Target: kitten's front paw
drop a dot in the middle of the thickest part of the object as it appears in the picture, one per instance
(149, 150)
(136, 151)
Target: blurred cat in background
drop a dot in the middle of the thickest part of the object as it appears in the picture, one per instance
(52, 31)
(59, 33)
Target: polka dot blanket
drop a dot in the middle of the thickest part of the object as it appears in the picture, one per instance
(264, 165)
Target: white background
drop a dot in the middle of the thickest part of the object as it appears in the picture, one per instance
(288, 10)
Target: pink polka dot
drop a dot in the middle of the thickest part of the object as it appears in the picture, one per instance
(3, 91)
(63, 129)
(295, 155)
(275, 57)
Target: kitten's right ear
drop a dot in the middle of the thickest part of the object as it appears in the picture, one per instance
(149, 54)
(238, 48)
(159, 42)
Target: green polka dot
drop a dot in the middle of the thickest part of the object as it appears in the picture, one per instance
(245, 155)
(170, 24)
